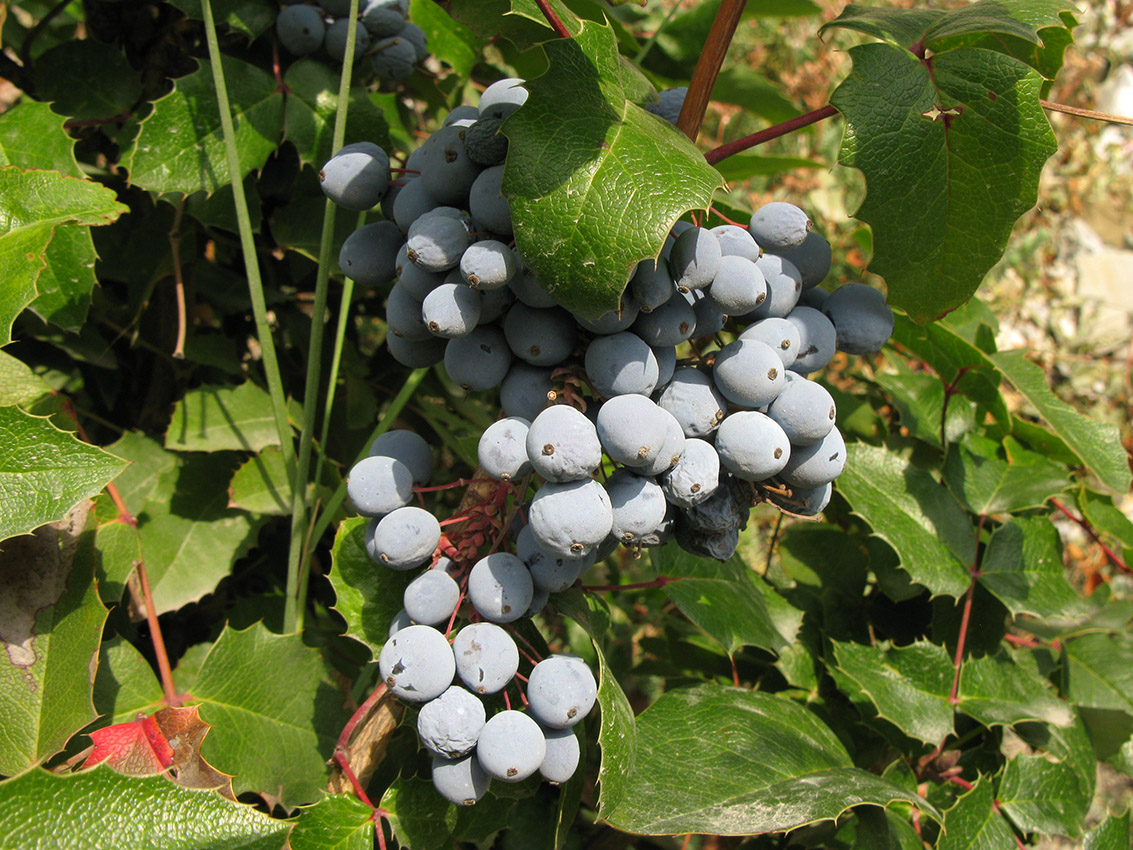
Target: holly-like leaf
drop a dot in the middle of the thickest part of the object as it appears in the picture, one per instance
(336, 822)
(450, 41)
(41, 809)
(19, 385)
(1022, 567)
(86, 79)
(1111, 834)
(190, 538)
(51, 623)
(519, 21)
(723, 599)
(761, 764)
(1097, 443)
(617, 736)
(1099, 670)
(180, 145)
(974, 824)
(135, 747)
(44, 472)
(249, 17)
(261, 485)
(941, 204)
(274, 713)
(368, 597)
(909, 510)
(32, 205)
(309, 113)
(1050, 793)
(417, 814)
(216, 418)
(32, 136)
(909, 686)
(65, 284)
(1005, 689)
(958, 362)
(989, 484)
(594, 189)
(125, 684)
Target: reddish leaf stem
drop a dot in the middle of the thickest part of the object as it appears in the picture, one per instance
(364, 709)
(965, 618)
(1090, 530)
(171, 696)
(1019, 640)
(553, 18)
(178, 280)
(724, 151)
(708, 66)
(949, 391)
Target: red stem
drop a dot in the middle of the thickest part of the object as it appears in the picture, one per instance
(172, 698)
(364, 709)
(953, 698)
(660, 581)
(708, 66)
(552, 18)
(1090, 530)
(724, 151)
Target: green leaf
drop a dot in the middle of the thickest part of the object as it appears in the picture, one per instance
(18, 383)
(125, 684)
(958, 363)
(519, 21)
(723, 599)
(103, 808)
(261, 485)
(988, 484)
(909, 686)
(879, 829)
(1005, 689)
(1099, 670)
(450, 41)
(943, 203)
(32, 137)
(368, 598)
(190, 539)
(336, 822)
(148, 462)
(180, 145)
(743, 86)
(909, 510)
(1036, 32)
(45, 471)
(745, 166)
(727, 761)
(974, 824)
(617, 736)
(87, 80)
(218, 417)
(899, 27)
(919, 399)
(309, 113)
(1097, 443)
(1022, 567)
(274, 712)
(51, 623)
(594, 189)
(65, 284)
(1105, 516)
(32, 205)
(1051, 793)
(417, 814)
(1111, 834)
(249, 17)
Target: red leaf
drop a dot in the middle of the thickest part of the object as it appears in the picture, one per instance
(137, 747)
